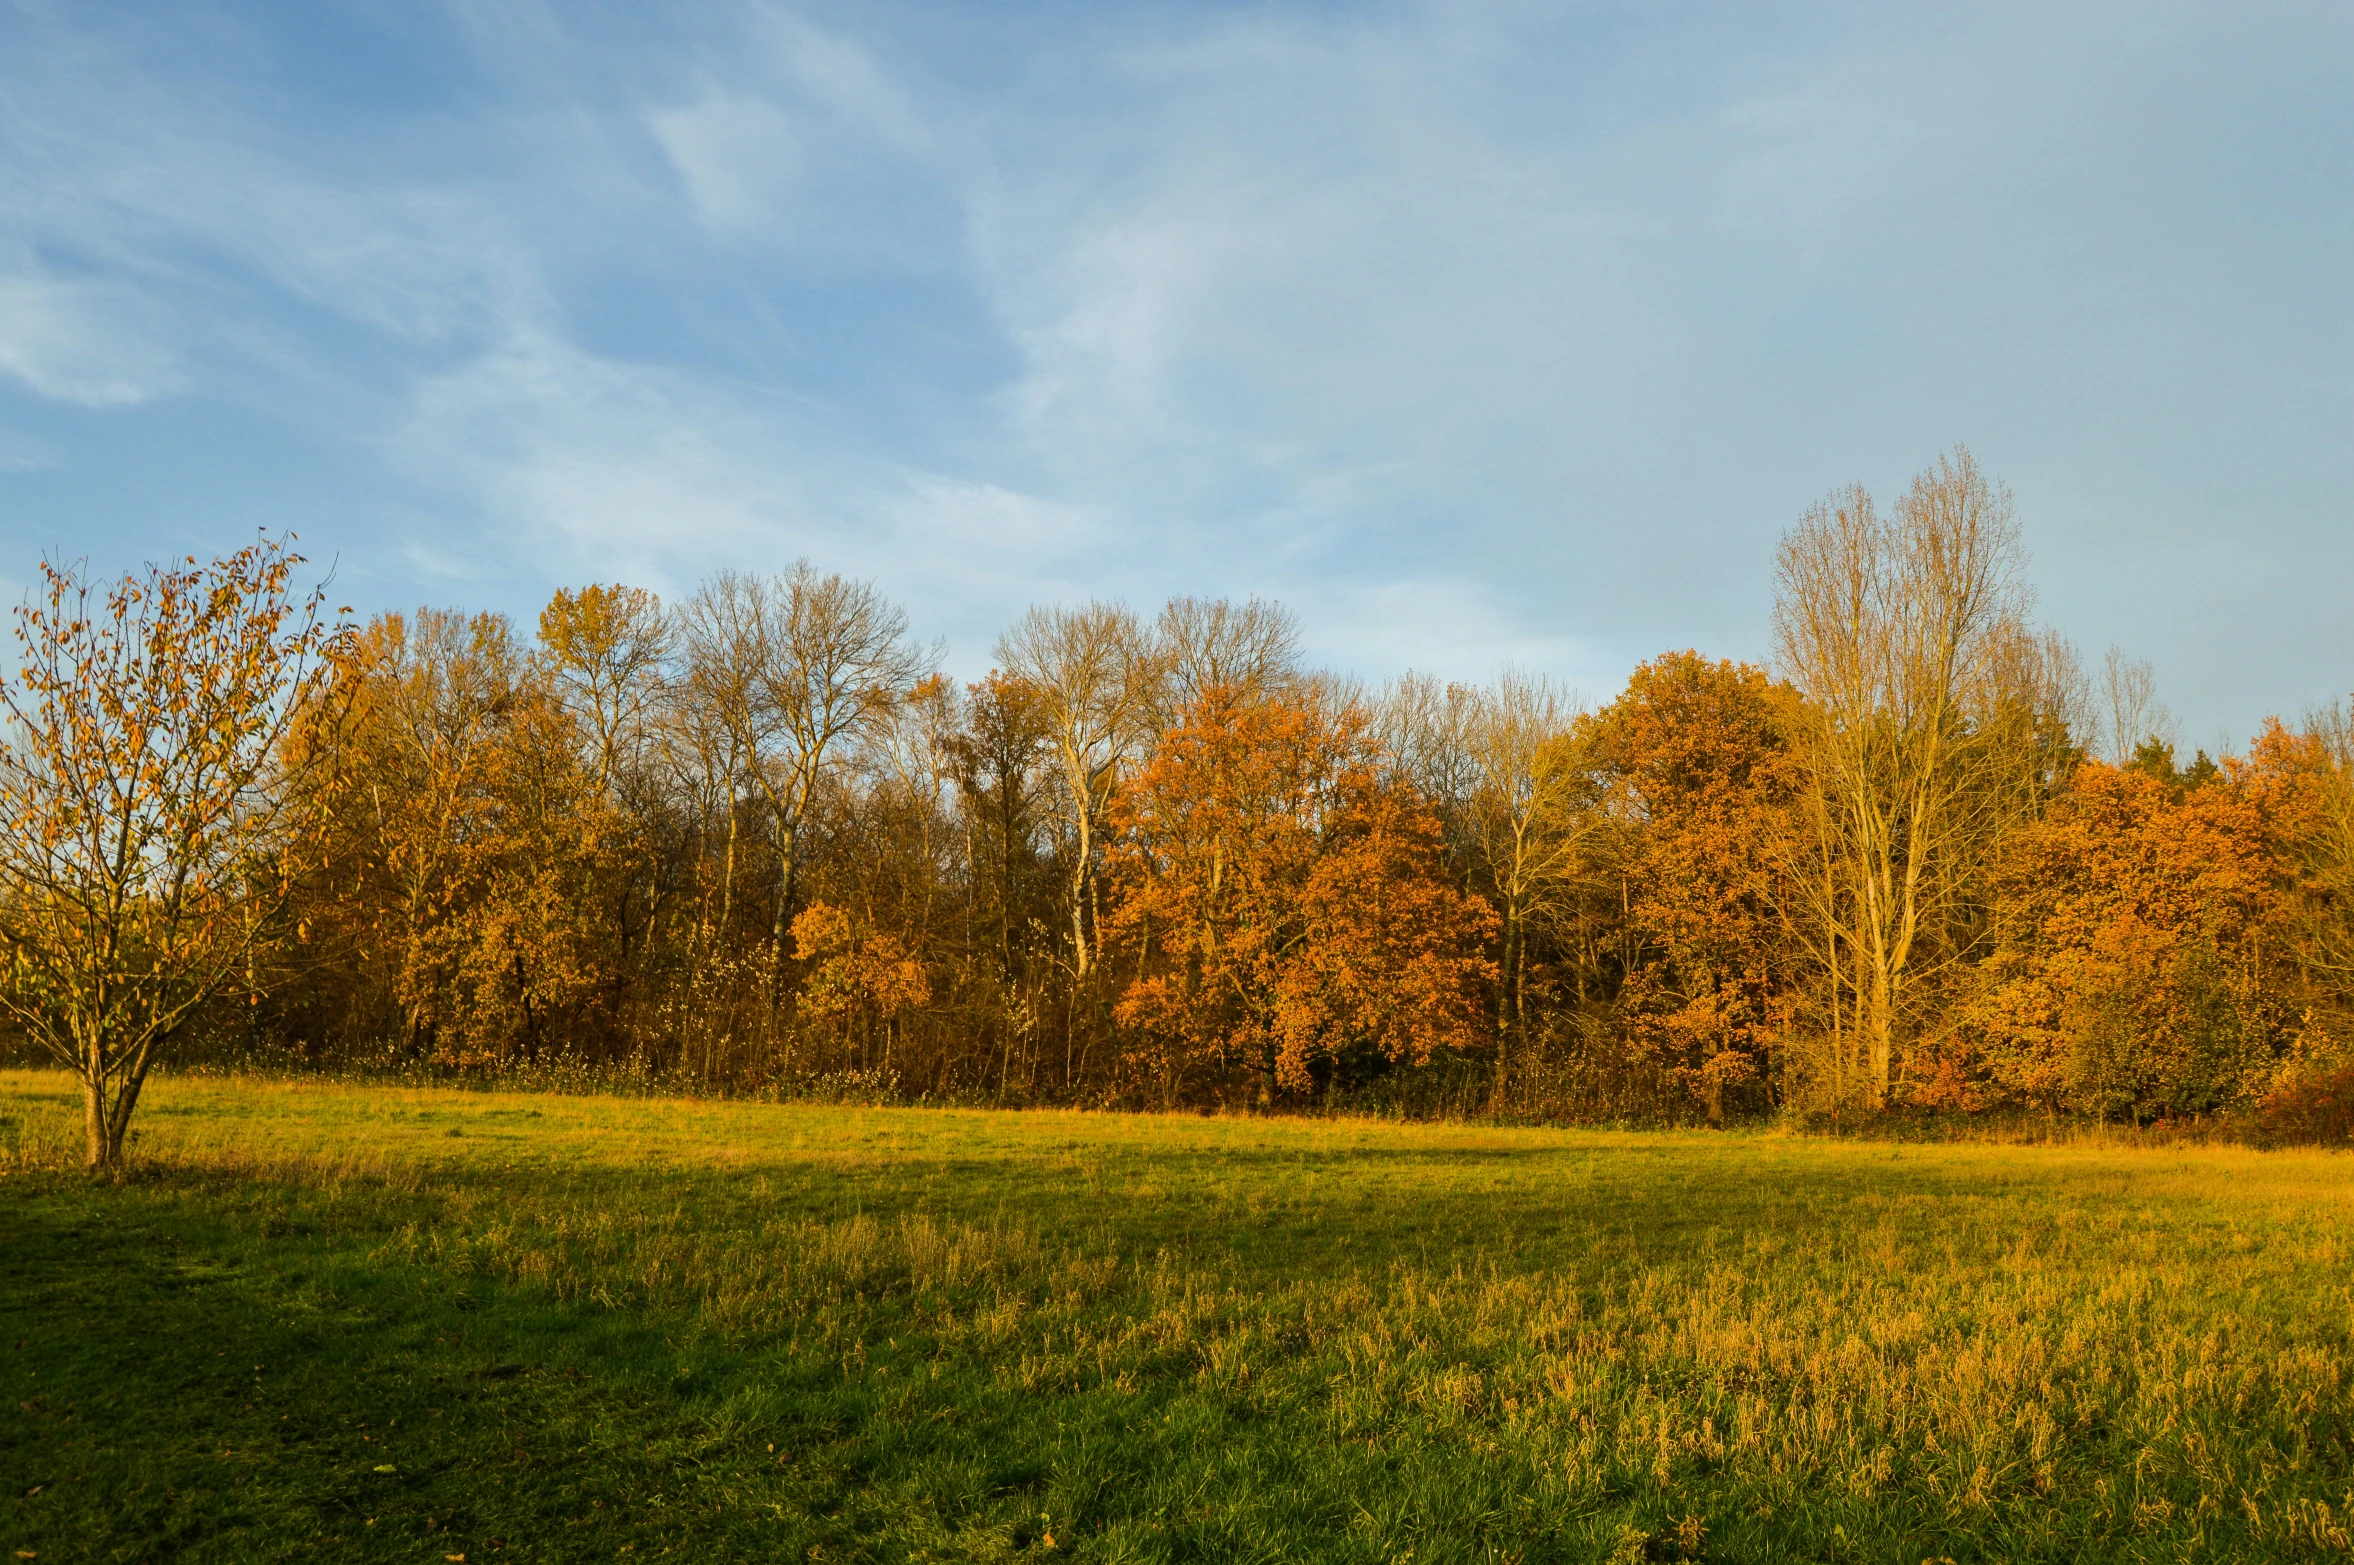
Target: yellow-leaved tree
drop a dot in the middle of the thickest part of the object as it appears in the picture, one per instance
(154, 807)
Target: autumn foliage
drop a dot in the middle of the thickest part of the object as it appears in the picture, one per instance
(756, 841)
(1697, 754)
(2129, 972)
(462, 907)
(1282, 909)
(162, 788)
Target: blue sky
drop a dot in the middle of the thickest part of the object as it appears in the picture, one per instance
(1478, 333)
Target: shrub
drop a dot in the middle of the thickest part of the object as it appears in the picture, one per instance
(2311, 1108)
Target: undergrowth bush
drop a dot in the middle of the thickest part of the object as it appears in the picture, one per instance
(2310, 1108)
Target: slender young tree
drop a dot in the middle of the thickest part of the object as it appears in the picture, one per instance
(1895, 629)
(154, 807)
(2129, 711)
(1525, 823)
(1092, 678)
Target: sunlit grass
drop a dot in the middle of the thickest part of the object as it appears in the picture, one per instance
(1149, 1338)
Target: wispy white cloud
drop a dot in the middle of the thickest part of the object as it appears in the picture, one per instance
(166, 185)
(1449, 627)
(93, 343)
(604, 468)
(608, 470)
(23, 452)
(739, 156)
(1011, 533)
(797, 141)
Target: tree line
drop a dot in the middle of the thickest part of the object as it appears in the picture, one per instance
(755, 841)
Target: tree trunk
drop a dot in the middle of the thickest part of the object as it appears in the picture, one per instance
(788, 846)
(787, 843)
(105, 1125)
(1079, 879)
(1508, 997)
(98, 1151)
(1880, 1027)
(727, 875)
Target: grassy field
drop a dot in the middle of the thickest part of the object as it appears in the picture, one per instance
(327, 1323)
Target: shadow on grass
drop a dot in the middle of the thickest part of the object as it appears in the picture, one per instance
(193, 1385)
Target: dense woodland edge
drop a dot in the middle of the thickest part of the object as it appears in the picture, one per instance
(1928, 863)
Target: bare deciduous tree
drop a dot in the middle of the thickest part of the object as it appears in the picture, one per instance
(837, 661)
(1092, 677)
(1896, 630)
(2129, 711)
(1524, 820)
(718, 725)
(1423, 727)
(915, 751)
(789, 669)
(1251, 648)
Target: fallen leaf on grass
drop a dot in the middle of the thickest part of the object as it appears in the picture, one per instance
(387, 1467)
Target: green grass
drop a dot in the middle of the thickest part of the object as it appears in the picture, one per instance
(323, 1322)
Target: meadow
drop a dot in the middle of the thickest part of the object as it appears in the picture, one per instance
(328, 1322)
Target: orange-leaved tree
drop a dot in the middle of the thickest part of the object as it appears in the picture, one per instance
(2306, 781)
(862, 981)
(1283, 904)
(1698, 756)
(459, 907)
(2131, 971)
(153, 807)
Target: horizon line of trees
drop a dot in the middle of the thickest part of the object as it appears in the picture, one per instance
(755, 841)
